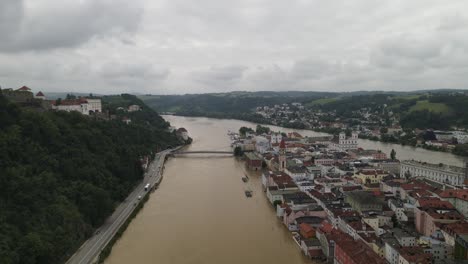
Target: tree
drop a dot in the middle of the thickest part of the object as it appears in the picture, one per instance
(238, 151)
(262, 129)
(276, 203)
(383, 130)
(393, 154)
(243, 130)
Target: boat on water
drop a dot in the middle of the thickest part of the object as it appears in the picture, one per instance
(248, 193)
(244, 179)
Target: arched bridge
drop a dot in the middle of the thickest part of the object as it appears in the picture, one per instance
(203, 152)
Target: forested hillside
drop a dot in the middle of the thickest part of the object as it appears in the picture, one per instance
(61, 175)
(234, 102)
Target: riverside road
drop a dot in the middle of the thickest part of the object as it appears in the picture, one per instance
(90, 250)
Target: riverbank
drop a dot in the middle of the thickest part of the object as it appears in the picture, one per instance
(461, 151)
(115, 225)
(403, 151)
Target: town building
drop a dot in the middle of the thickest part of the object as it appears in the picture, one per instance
(355, 252)
(458, 198)
(364, 201)
(253, 161)
(441, 173)
(40, 96)
(431, 212)
(134, 108)
(343, 143)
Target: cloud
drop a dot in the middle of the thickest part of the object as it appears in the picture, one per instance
(224, 76)
(178, 46)
(51, 24)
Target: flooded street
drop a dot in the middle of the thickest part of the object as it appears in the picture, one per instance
(201, 215)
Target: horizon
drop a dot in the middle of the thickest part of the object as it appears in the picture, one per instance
(179, 47)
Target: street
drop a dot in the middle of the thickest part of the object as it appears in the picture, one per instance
(89, 251)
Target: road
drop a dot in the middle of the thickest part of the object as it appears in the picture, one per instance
(90, 250)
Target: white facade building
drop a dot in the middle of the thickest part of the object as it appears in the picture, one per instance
(344, 143)
(436, 172)
(94, 105)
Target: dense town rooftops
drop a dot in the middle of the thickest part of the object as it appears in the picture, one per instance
(459, 194)
(364, 197)
(460, 228)
(434, 203)
(298, 198)
(415, 255)
(359, 252)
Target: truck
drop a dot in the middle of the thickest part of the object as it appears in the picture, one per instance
(147, 187)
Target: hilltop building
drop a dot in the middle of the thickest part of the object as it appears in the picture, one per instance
(82, 105)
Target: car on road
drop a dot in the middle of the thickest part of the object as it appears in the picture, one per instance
(139, 197)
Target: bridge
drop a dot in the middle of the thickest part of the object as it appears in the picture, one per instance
(203, 152)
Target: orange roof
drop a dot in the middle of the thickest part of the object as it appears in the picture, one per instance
(304, 227)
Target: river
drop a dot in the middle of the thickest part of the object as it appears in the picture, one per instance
(200, 214)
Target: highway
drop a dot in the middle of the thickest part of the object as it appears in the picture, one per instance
(91, 249)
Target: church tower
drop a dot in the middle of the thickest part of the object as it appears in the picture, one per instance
(282, 156)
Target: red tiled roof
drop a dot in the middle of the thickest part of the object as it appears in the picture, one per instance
(415, 255)
(434, 203)
(24, 88)
(40, 94)
(359, 252)
(315, 252)
(460, 228)
(306, 228)
(459, 194)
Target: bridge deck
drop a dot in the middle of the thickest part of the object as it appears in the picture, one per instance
(203, 152)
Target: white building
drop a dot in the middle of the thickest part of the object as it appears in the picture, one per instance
(462, 137)
(83, 105)
(133, 108)
(440, 173)
(94, 105)
(343, 143)
(276, 138)
(262, 144)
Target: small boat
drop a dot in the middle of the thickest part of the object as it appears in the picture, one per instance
(245, 179)
(248, 193)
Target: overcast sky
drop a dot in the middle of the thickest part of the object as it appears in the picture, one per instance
(197, 46)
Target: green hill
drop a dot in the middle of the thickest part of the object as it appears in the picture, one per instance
(62, 174)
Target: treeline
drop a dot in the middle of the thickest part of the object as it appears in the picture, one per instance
(62, 174)
(228, 103)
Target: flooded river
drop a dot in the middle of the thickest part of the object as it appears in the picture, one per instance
(200, 214)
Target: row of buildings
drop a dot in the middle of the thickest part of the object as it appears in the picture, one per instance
(343, 204)
(26, 97)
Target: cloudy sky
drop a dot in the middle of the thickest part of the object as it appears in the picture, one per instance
(197, 46)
